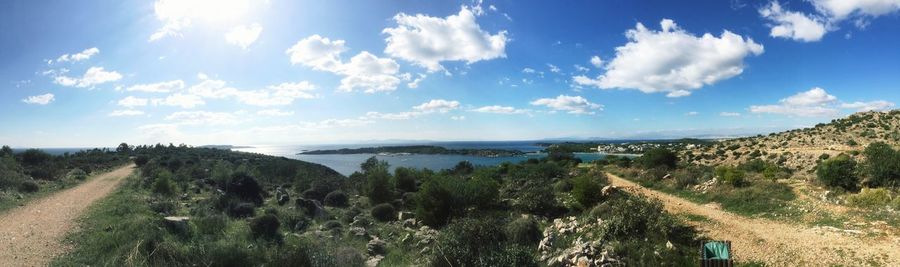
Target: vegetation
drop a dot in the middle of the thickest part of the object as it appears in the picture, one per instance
(838, 172)
(882, 165)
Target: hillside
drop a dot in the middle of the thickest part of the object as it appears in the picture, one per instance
(800, 149)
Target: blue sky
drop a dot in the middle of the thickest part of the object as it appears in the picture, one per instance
(95, 73)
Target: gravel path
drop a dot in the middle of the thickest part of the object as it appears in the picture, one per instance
(777, 243)
(31, 235)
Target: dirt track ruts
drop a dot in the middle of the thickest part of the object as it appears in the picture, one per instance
(778, 243)
(31, 235)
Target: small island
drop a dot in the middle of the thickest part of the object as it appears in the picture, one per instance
(418, 149)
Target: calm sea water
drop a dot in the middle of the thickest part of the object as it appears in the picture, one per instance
(348, 163)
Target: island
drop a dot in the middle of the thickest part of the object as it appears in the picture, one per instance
(418, 149)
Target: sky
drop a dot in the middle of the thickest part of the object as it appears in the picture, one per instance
(244, 72)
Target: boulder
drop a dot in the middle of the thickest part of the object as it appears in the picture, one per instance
(403, 215)
(358, 232)
(373, 261)
(376, 246)
(608, 190)
(409, 223)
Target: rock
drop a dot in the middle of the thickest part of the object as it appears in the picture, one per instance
(376, 247)
(282, 196)
(403, 215)
(607, 190)
(667, 176)
(373, 261)
(409, 223)
(178, 224)
(360, 221)
(669, 245)
(358, 232)
(312, 207)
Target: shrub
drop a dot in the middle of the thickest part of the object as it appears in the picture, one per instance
(266, 227)
(384, 212)
(586, 190)
(658, 157)
(523, 231)
(434, 203)
(378, 186)
(336, 198)
(870, 198)
(162, 185)
(463, 167)
(478, 242)
(404, 179)
(211, 224)
(534, 198)
(77, 174)
(29, 187)
(141, 160)
(244, 187)
(330, 225)
(839, 171)
(732, 176)
(882, 165)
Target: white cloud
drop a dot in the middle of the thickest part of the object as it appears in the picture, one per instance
(371, 73)
(202, 118)
(437, 105)
(83, 55)
(160, 87)
(335, 123)
(177, 15)
(581, 68)
(528, 70)
(427, 41)
(93, 76)
(813, 103)
(274, 113)
(39, 99)
(793, 25)
(393, 116)
(125, 112)
(692, 113)
(243, 36)
(179, 100)
(294, 90)
(729, 114)
(318, 52)
(843, 9)
(597, 62)
(673, 60)
(878, 105)
(497, 109)
(570, 104)
(212, 88)
(364, 71)
(553, 68)
(458, 118)
(415, 82)
(131, 101)
(274, 95)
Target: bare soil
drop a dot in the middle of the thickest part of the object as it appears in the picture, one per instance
(777, 243)
(31, 235)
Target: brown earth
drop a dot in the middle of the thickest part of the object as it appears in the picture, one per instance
(777, 243)
(31, 235)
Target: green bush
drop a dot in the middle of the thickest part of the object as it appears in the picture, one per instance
(870, 198)
(404, 179)
(77, 174)
(658, 157)
(212, 225)
(384, 212)
(523, 231)
(29, 187)
(732, 176)
(336, 198)
(265, 227)
(163, 185)
(882, 165)
(839, 171)
(478, 242)
(378, 186)
(586, 189)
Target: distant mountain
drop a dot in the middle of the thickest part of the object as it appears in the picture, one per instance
(799, 149)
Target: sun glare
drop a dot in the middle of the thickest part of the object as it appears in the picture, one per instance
(211, 11)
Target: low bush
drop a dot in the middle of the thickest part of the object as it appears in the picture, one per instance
(77, 174)
(732, 176)
(336, 198)
(478, 242)
(29, 186)
(523, 231)
(870, 198)
(212, 225)
(839, 172)
(586, 189)
(265, 227)
(384, 212)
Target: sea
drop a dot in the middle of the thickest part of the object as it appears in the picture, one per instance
(346, 164)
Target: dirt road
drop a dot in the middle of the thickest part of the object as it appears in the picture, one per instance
(777, 243)
(31, 235)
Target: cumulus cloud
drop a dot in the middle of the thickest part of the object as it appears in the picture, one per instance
(83, 55)
(364, 71)
(570, 104)
(729, 114)
(131, 101)
(878, 105)
(813, 103)
(205, 118)
(692, 113)
(427, 41)
(437, 105)
(274, 113)
(274, 95)
(336, 123)
(92, 77)
(160, 87)
(673, 60)
(597, 62)
(553, 68)
(179, 100)
(844, 9)
(39, 99)
(497, 109)
(125, 113)
(243, 35)
(793, 25)
(458, 118)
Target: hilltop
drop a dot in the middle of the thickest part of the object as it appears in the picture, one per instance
(800, 149)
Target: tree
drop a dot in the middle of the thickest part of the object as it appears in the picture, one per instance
(373, 164)
(378, 185)
(882, 165)
(6, 151)
(123, 148)
(658, 157)
(839, 171)
(464, 168)
(586, 190)
(405, 179)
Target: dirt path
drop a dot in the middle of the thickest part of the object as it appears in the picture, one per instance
(777, 243)
(31, 235)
